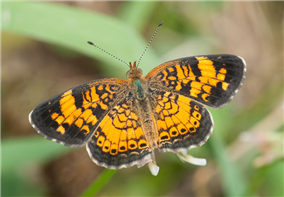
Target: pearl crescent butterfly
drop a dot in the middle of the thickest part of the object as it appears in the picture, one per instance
(121, 122)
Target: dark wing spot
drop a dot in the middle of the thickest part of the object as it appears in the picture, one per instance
(165, 137)
(132, 145)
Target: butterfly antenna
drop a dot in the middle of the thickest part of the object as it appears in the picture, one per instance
(150, 42)
(89, 42)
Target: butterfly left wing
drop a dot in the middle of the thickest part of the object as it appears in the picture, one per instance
(119, 141)
(70, 118)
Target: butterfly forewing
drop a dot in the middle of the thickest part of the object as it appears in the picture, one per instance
(211, 80)
(70, 118)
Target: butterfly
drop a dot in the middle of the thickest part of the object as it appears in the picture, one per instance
(121, 122)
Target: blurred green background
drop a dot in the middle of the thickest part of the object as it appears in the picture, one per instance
(44, 52)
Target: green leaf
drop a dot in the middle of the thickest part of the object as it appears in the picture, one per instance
(17, 153)
(71, 27)
(20, 155)
(138, 13)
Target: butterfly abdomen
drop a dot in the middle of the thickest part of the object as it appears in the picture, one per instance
(146, 115)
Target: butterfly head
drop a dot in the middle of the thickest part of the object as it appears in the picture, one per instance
(134, 72)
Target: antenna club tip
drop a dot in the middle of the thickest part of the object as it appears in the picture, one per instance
(89, 42)
(161, 24)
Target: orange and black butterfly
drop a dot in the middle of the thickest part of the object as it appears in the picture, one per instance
(121, 122)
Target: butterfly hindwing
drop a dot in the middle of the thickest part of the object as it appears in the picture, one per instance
(70, 118)
(182, 123)
(119, 140)
(211, 80)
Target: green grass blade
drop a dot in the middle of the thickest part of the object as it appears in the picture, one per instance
(231, 176)
(99, 183)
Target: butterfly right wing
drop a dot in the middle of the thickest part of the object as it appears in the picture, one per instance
(71, 118)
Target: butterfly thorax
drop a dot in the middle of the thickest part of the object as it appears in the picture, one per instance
(138, 87)
(137, 81)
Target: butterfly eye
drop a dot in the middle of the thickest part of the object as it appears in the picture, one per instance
(128, 73)
(140, 70)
